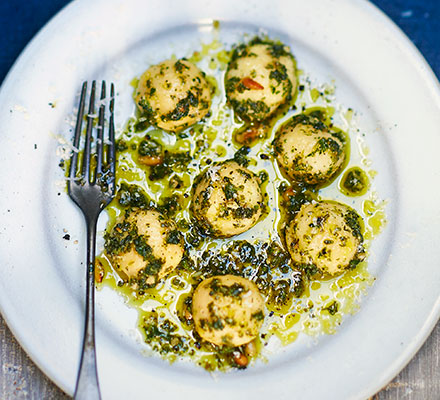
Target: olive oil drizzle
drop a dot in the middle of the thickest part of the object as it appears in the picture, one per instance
(164, 311)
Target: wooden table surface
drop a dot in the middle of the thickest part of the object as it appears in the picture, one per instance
(20, 378)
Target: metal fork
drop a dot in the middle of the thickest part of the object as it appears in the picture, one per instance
(91, 185)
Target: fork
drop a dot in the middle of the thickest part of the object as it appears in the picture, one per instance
(91, 185)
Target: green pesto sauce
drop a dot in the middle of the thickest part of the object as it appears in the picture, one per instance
(354, 182)
(295, 304)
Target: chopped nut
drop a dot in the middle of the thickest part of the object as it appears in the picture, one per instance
(150, 160)
(288, 193)
(240, 359)
(99, 272)
(250, 134)
(188, 315)
(250, 349)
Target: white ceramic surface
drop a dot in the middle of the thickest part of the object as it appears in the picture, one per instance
(378, 72)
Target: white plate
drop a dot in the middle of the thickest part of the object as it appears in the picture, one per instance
(378, 72)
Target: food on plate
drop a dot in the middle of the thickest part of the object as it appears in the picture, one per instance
(354, 182)
(227, 199)
(255, 158)
(325, 237)
(308, 151)
(261, 76)
(150, 152)
(227, 310)
(144, 246)
(173, 94)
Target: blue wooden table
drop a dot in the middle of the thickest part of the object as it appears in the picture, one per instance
(21, 20)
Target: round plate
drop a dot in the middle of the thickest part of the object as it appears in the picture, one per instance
(377, 72)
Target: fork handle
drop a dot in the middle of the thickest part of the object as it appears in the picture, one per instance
(87, 385)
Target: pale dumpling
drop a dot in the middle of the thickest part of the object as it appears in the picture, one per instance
(307, 151)
(228, 310)
(227, 199)
(173, 94)
(325, 237)
(260, 78)
(145, 246)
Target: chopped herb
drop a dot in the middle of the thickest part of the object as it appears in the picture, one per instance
(170, 205)
(146, 108)
(132, 196)
(243, 212)
(279, 73)
(182, 108)
(259, 316)
(142, 247)
(240, 156)
(234, 290)
(352, 219)
(257, 110)
(150, 148)
(229, 190)
(332, 308)
(179, 66)
(174, 237)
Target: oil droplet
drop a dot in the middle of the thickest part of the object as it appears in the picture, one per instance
(314, 94)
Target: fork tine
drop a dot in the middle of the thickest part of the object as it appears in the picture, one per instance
(76, 140)
(88, 144)
(100, 134)
(111, 158)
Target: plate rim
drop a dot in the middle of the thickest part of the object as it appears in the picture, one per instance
(413, 54)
